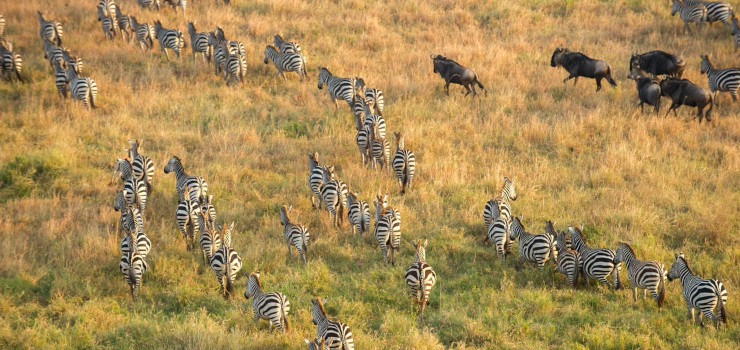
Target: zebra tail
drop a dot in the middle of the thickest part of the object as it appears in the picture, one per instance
(284, 316)
(229, 287)
(609, 76)
(56, 33)
(305, 70)
(304, 246)
(721, 308)
(405, 180)
(661, 291)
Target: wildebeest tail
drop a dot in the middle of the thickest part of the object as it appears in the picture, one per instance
(609, 76)
(481, 85)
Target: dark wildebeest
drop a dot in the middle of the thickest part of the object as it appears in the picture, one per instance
(684, 92)
(453, 72)
(580, 65)
(658, 63)
(648, 89)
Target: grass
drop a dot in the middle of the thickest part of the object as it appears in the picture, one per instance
(666, 184)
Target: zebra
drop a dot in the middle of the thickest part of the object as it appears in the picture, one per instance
(716, 10)
(498, 233)
(338, 88)
(380, 150)
(107, 8)
(142, 166)
(176, 3)
(108, 23)
(358, 214)
(220, 52)
(135, 233)
(187, 215)
(2, 27)
(689, 13)
(209, 239)
(119, 204)
(319, 344)
(132, 267)
(503, 206)
(294, 234)
(362, 139)
(286, 62)
(235, 68)
(598, 263)
(226, 263)
(371, 118)
(331, 195)
(569, 260)
(199, 43)
(10, 62)
(272, 307)
(316, 177)
(725, 80)
(537, 248)
(169, 39)
(285, 46)
(148, 4)
(196, 186)
(387, 229)
(404, 163)
(144, 33)
(134, 190)
(337, 335)
(648, 275)
(374, 97)
(704, 295)
(124, 24)
(50, 30)
(420, 277)
(60, 78)
(81, 88)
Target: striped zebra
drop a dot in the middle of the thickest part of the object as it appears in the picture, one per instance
(362, 139)
(331, 195)
(189, 220)
(319, 344)
(370, 117)
(647, 275)
(169, 39)
(226, 233)
(338, 88)
(132, 267)
(705, 295)
(135, 234)
(358, 214)
(387, 229)
(286, 62)
(60, 78)
(235, 68)
(11, 63)
(142, 166)
(716, 10)
(196, 186)
(81, 88)
(724, 80)
(536, 248)
(209, 240)
(175, 3)
(404, 163)
(736, 32)
(380, 150)
(498, 233)
(108, 23)
(316, 177)
(220, 52)
(689, 13)
(144, 33)
(54, 53)
(295, 234)
(50, 30)
(503, 206)
(285, 46)
(148, 4)
(569, 260)
(2, 27)
(134, 190)
(337, 335)
(124, 24)
(107, 8)
(420, 277)
(119, 204)
(374, 97)
(199, 43)
(226, 263)
(272, 307)
(598, 263)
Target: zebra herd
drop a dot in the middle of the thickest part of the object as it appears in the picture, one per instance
(573, 257)
(11, 62)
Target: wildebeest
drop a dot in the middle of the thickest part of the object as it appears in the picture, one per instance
(453, 72)
(684, 92)
(648, 89)
(580, 65)
(658, 63)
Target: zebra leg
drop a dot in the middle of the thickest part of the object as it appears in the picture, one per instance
(166, 54)
(733, 94)
(634, 294)
(283, 75)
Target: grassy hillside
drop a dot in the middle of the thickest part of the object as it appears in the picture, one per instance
(578, 157)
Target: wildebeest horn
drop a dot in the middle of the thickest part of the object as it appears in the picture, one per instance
(432, 56)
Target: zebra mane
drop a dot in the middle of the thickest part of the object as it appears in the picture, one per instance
(321, 306)
(327, 70)
(580, 234)
(629, 247)
(256, 278)
(686, 263)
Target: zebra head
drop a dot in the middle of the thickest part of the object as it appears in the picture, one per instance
(706, 65)
(623, 252)
(313, 160)
(172, 165)
(284, 210)
(678, 266)
(509, 190)
(323, 77)
(269, 51)
(421, 249)
(677, 5)
(253, 284)
(399, 140)
(226, 234)
(119, 201)
(516, 228)
(318, 311)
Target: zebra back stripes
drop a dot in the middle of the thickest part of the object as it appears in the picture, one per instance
(285, 46)
(11, 62)
(537, 248)
(199, 43)
(142, 167)
(705, 295)
(374, 97)
(145, 34)
(598, 263)
(689, 13)
(124, 23)
(337, 334)
(50, 30)
(649, 275)
(404, 163)
(380, 149)
(716, 10)
(132, 267)
(420, 277)
(338, 88)
(332, 194)
(387, 229)
(358, 214)
(108, 23)
(209, 240)
(2, 26)
(226, 263)
(195, 187)
(169, 39)
(569, 261)
(725, 80)
(286, 62)
(272, 307)
(294, 234)
(81, 88)
(135, 237)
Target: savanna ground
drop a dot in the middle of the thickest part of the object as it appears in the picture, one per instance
(666, 184)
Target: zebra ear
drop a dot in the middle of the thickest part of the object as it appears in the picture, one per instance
(414, 243)
(323, 301)
(307, 342)
(425, 243)
(231, 227)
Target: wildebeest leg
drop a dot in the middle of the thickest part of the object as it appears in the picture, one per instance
(657, 106)
(641, 106)
(474, 92)
(598, 84)
(699, 114)
(468, 89)
(571, 77)
(447, 88)
(672, 108)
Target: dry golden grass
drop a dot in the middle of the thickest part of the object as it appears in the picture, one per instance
(666, 184)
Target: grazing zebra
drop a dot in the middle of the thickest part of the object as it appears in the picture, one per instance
(169, 39)
(648, 275)
(272, 307)
(702, 294)
(319, 344)
(149, 4)
(235, 68)
(537, 248)
(404, 163)
(295, 234)
(331, 195)
(689, 13)
(337, 335)
(338, 88)
(725, 80)
(380, 150)
(60, 78)
(142, 166)
(358, 214)
(145, 34)
(362, 139)
(387, 229)
(10, 62)
(124, 23)
(420, 277)
(84, 88)
(50, 30)
(226, 263)
(502, 204)
(176, 3)
(374, 97)
(716, 10)
(286, 62)
(187, 215)
(569, 261)
(108, 23)
(132, 267)
(135, 233)
(196, 186)
(285, 46)
(598, 263)
(199, 43)
(316, 177)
